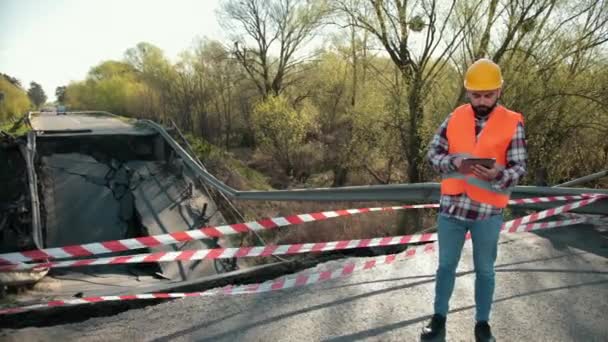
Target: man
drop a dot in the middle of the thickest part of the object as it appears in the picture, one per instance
(474, 201)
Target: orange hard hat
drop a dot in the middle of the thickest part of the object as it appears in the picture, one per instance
(483, 75)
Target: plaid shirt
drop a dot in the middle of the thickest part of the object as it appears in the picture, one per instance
(461, 206)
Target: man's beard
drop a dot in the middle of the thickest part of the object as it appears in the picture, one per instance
(483, 111)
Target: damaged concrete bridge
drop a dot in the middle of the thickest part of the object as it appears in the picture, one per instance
(100, 177)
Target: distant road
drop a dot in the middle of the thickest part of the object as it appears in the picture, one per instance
(101, 124)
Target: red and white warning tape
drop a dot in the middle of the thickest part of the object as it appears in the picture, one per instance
(216, 231)
(270, 285)
(189, 235)
(223, 253)
(513, 225)
(304, 279)
(282, 283)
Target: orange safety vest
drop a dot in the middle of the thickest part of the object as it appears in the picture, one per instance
(492, 142)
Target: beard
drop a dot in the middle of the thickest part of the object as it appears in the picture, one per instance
(483, 111)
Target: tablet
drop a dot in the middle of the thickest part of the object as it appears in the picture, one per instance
(467, 163)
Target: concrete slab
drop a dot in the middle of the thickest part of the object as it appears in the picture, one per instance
(80, 207)
(170, 202)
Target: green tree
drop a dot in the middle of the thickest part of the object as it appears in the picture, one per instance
(280, 130)
(147, 59)
(553, 62)
(110, 69)
(396, 25)
(36, 94)
(158, 75)
(223, 79)
(14, 81)
(112, 86)
(14, 101)
(60, 94)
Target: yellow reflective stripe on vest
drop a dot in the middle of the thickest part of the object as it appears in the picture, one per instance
(463, 155)
(453, 175)
(480, 183)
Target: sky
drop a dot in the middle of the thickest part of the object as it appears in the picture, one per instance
(53, 42)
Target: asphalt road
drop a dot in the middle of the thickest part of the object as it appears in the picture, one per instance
(551, 286)
(99, 124)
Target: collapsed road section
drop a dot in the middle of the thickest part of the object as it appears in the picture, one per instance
(89, 177)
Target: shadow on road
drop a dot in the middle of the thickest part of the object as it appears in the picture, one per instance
(249, 324)
(381, 330)
(585, 237)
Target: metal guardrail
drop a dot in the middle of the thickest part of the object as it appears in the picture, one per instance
(419, 192)
(585, 179)
(29, 154)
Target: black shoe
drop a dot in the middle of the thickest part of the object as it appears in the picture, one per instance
(434, 328)
(483, 333)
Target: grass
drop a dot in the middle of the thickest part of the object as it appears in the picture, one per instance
(359, 226)
(255, 179)
(235, 173)
(16, 127)
(223, 165)
(8, 301)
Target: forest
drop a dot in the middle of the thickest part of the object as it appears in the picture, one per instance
(350, 92)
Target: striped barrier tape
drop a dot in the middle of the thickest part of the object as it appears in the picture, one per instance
(291, 281)
(300, 280)
(267, 286)
(252, 251)
(512, 225)
(96, 248)
(189, 235)
(241, 252)
(225, 253)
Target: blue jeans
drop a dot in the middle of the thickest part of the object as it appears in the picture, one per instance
(485, 244)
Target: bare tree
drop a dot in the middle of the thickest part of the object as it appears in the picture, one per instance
(190, 96)
(215, 63)
(262, 27)
(563, 53)
(420, 41)
(517, 20)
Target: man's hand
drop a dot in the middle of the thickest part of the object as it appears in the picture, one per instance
(457, 162)
(485, 173)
